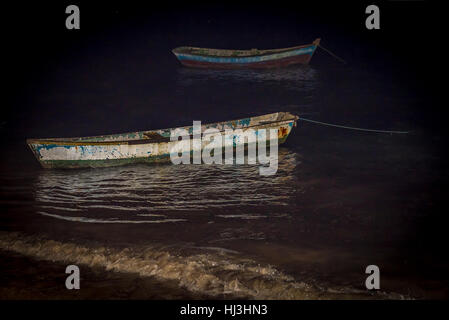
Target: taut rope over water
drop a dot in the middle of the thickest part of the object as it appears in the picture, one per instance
(353, 128)
(332, 54)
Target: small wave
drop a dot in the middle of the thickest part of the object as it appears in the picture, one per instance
(91, 220)
(214, 274)
(60, 208)
(241, 216)
(151, 215)
(219, 249)
(231, 234)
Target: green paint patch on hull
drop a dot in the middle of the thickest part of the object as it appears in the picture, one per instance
(76, 164)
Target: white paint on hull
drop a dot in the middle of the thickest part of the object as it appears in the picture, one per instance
(125, 151)
(105, 148)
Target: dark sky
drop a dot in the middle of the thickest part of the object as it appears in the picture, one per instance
(40, 26)
(36, 33)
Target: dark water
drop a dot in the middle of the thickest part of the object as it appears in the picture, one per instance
(340, 201)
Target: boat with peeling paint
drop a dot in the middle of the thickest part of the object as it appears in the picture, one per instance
(254, 58)
(146, 146)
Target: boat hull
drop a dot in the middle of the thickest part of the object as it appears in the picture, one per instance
(133, 148)
(285, 57)
(299, 59)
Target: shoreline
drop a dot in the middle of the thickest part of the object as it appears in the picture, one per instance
(108, 273)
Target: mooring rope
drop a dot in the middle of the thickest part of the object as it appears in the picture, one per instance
(332, 54)
(352, 128)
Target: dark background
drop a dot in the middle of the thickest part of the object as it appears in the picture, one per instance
(36, 46)
(113, 75)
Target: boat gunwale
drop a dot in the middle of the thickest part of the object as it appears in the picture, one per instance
(57, 141)
(264, 52)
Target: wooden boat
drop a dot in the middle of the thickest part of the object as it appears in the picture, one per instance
(232, 59)
(144, 146)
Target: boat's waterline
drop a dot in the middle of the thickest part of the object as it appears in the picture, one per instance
(149, 146)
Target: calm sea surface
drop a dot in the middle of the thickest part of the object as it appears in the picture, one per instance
(340, 201)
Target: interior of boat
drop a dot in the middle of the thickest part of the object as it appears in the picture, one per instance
(163, 135)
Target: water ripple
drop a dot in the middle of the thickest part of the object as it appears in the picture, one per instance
(135, 194)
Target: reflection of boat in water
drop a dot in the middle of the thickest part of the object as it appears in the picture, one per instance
(148, 146)
(156, 194)
(293, 76)
(254, 58)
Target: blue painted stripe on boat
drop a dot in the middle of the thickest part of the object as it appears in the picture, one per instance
(275, 56)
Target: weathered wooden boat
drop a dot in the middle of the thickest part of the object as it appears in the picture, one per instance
(232, 59)
(144, 146)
